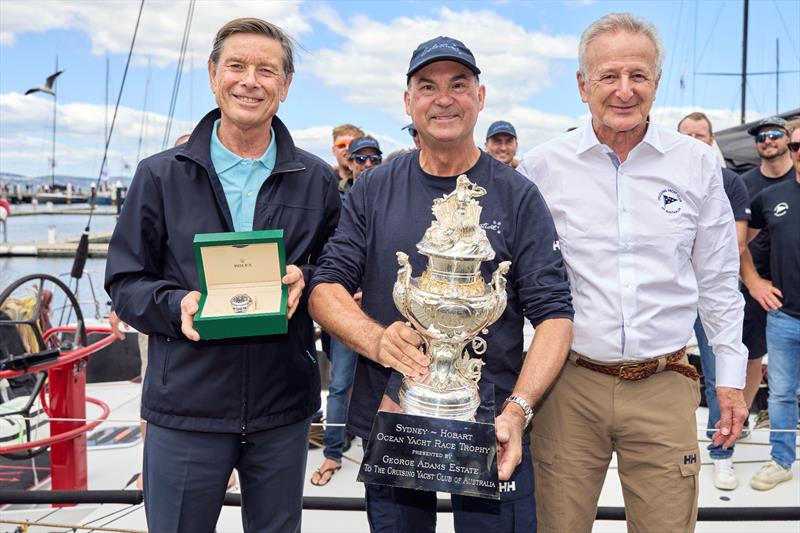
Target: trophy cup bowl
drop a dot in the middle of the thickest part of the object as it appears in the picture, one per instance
(449, 304)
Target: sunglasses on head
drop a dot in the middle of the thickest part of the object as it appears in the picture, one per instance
(794, 147)
(362, 159)
(772, 135)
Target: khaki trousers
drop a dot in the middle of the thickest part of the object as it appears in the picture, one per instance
(651, 425)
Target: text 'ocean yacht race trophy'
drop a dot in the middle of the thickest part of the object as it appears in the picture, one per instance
(444, 439)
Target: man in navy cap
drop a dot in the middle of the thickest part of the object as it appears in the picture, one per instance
(364, 153)
(389, 209)
(501, 142)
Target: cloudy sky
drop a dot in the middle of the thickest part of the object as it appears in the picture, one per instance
(350, 67)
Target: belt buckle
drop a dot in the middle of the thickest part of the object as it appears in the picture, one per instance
(623, 371)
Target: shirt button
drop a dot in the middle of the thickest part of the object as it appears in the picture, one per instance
(250, 193)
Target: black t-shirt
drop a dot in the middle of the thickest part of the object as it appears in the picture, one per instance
(777, 209)
(737, 194)
(759, 247)
(388, 210)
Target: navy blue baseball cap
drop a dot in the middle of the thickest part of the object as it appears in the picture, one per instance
(441, 49)
(363, 142)
(501, 126)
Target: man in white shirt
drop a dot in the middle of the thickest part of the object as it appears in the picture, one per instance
(648, 238)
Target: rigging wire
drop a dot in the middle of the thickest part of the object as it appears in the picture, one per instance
(176, 85)
(788, 33)
(82, 251)
(144, 113)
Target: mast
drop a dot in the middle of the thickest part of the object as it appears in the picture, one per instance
(777, 76)
(53, 154)
(744, 59)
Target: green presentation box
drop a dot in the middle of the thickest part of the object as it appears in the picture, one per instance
(250, 266)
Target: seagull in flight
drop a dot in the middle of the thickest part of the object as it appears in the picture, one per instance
(48, 85)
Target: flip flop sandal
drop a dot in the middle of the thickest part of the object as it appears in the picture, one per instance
(321, 474)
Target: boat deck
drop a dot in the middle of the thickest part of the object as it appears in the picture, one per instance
(112, 467)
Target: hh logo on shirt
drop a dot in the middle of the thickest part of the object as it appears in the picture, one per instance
(781, 209)
(670, 201)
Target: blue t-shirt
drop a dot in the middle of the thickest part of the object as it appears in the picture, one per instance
(388, 210)
(241, 178)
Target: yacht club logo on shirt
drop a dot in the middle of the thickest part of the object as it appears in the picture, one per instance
(781, 209)
(670, 201)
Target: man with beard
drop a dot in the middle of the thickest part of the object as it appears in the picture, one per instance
(772, 143)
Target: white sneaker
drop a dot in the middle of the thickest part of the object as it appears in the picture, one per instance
(770, 475)
(724, 476)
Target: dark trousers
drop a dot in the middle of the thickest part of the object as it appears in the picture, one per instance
(186, 474)
(398, 510)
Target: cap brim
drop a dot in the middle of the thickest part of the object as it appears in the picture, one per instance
(498, 132)
(754, 130)
(443, 57)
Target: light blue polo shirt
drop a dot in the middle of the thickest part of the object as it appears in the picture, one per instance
(241, 178)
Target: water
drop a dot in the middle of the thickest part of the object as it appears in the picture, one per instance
(35, 228)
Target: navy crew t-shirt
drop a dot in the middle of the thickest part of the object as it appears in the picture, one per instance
(777, 209)
(388, 210)
(760, 246)
(736, 191)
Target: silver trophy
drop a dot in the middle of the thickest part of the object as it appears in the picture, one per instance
(449, 304)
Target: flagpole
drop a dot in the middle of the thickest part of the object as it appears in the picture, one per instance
(53, 158)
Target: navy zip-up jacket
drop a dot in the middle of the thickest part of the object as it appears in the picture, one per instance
(236, 385)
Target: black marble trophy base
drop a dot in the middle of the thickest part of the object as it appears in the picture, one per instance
(435, 454)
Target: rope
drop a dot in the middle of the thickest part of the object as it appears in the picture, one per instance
(176, 85)
(69, 527)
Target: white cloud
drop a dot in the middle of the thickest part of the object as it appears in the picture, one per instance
(25, 137)
(377, 54)
(160, 30)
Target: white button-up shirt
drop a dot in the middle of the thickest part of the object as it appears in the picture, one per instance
(646, 243)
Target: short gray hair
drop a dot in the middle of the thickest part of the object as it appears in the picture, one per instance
(615, 22)
(258, 27)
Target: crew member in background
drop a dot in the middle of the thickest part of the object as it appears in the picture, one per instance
(777, 209)
(342, 136)
(698, 125)
(772, 143)
(501, 142)
(364, 153)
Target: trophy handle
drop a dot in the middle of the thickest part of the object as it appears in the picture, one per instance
(401, 286)
(499, 288)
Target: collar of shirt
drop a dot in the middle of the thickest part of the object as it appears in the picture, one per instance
(589, 139)
(223, 159)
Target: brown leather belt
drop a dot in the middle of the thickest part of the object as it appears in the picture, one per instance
(641, 370)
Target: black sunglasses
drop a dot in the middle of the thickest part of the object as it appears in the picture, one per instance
(362, 159)
(794, 147)
(772, 135)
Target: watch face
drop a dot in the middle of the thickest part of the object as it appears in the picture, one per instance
(241, 299)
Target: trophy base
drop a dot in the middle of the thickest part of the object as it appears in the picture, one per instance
(434, 454)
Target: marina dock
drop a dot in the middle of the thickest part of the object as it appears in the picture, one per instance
(98, 247)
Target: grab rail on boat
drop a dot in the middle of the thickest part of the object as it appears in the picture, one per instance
(67, 399)
(327, 503)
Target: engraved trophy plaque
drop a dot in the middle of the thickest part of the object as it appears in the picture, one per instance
(440, 440)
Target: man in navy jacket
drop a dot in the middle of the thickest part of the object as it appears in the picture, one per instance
(243, 403)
